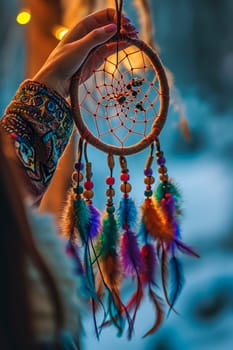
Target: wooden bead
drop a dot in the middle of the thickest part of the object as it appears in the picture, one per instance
(162, 169)
(163, 177)
(110, 192)
(88, 194)
(159, 153)
(125, 187)
(149, 180)
(77, 176)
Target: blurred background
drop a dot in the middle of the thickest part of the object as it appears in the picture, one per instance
(195, 42)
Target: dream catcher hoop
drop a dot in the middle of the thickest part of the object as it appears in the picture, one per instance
(120, 108)
(128, 96)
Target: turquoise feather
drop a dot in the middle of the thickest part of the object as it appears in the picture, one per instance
(82, 218)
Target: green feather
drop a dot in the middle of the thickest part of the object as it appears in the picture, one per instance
(108, 238)
(82, 218)
(164, 188)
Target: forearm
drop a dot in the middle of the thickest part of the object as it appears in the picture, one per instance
(40, 123)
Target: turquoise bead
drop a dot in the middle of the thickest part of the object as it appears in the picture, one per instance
(78, 189)
(148, 193)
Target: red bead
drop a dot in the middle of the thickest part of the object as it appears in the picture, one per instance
(88, 185)
(110, 180)
(124, 177)
(168, 195)
(126, 195)
(148, 187)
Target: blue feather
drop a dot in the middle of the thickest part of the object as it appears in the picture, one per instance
(177, 280)
(127, 213)
(95, 221)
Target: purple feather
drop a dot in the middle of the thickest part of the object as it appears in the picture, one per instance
(184, 248)
(95, 222)
(149, 263)
(168, 206)
(130, 254)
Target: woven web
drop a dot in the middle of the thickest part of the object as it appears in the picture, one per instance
(119, 102)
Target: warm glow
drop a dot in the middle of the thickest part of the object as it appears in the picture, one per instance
(23, 17)
(60, 31)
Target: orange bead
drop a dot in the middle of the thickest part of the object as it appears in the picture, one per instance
(110, 192)
(125, 187)
(162, 169)
(163, 177)
(88, 194)
(149, 180)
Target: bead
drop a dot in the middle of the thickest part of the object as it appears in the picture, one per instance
(88, 185)
(161, 161)
(109, 202)
(77, 176)
(159, 153)
(88, 194)
(79, 166)
(121, 99)
(124, 177)
(163, 177)
(110, 180)
(162, 169)
(148, 193)
(125, 187)
(148, 172)
(126, 195)
(110, 192)
(110, 210)
(149, 180)
(125, 226)
(78, 189)
(148, 187)
(168, 195)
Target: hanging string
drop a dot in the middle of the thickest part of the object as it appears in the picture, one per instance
(119, 6)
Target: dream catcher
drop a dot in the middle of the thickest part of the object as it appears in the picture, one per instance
(120, 108)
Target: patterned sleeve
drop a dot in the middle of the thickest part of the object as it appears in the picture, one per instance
(40, 123)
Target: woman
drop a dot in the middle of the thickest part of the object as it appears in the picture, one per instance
(39, 300)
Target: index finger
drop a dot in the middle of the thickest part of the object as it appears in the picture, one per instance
(90, 22)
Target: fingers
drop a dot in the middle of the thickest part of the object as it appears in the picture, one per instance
(96, 37)
(97, 19)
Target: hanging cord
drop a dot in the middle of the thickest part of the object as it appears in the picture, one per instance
(119, 6)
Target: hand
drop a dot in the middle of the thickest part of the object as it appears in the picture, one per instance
(73, 49)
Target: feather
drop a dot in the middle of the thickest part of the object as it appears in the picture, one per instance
(168, 206)
(82, 218)
(68, 217)
(184, 248)
(110, 270)
(169, 187)
(127, 213)
(154, 221)
(177, 280)
(159, 311)
(149, 263)
(95, 222)
(111, 274)
(164, 274)
(130, 254)
(108, 238)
